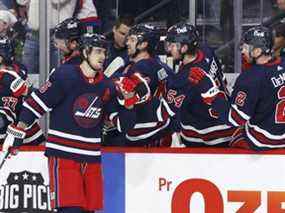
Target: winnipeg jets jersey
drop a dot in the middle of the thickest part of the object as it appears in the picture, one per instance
(150, 69)
(195, 120)
(77, 106)
(258, 104)
(13, 86)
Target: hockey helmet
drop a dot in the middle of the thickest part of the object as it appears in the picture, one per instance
(183, 33)
(88, 40)
(259, 37)
(69, 29)
(146, 33)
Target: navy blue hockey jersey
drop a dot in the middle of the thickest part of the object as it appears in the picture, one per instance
(153, 122)
(154, 117)
(12, 89)
(77, 106)
(196, 121)
(258, 104)
(151, 69)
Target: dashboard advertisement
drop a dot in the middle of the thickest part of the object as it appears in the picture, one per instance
(211, 183)
(159, 181)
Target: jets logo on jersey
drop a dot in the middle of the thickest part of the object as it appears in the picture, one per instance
(90, 112)
(87, 110)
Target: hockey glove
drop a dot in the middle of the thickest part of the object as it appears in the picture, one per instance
(126, 93)
(205, 84)
(15, 137)
(132, 91)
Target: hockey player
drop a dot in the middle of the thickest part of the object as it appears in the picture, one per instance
(78, 98)
(257, 102)
(14, 88)
(66, 38)
(153, 115)
(196, 121)
(141, 45)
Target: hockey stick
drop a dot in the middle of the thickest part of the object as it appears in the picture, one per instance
(6, 155)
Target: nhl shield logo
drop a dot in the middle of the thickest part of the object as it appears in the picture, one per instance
(87, 110)
(25, 192)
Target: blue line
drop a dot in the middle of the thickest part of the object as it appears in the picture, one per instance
(114, 182)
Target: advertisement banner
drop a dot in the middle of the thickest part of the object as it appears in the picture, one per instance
(151, 181)
(199, 183)
(24, 184)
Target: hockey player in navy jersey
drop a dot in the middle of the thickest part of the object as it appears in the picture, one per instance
(66, 39)
(195, 121)
(78, 98)
(142, 41)
(257, 101)
(14, 87)
(153, 115)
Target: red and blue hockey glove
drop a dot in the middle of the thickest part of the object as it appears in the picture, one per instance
(15, 137)
(205, 84)
(126, 92)
(132, 90)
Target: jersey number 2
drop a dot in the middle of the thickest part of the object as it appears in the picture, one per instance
(280, 107)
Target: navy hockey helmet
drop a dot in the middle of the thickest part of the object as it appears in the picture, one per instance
(93, 40)
(183, 33)
(69, 29)
(146, 33)
(7, 49)
(89, 40)
(259, 37)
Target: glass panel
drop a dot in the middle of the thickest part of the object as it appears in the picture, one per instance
(31, 45)
(156, 10)
(258, 12)
(22, 26)
(97, 16)
(255, 11)
(214, 19)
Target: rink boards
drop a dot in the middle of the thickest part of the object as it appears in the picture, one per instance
(160, 180)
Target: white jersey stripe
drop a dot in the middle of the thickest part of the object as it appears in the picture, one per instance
(207, 130)
(40, 102)
(72, 150)
(149, 134)
(266, 133)
(210, 142)
(259, 144)
(241, 113)
(73, 137)
(9, 118)
(145, 125)
(231, 120)
(33, 137)
(25, 104)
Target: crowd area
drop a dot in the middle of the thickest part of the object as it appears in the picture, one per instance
(117, 91)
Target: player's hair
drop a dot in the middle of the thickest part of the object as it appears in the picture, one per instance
(127, 20)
